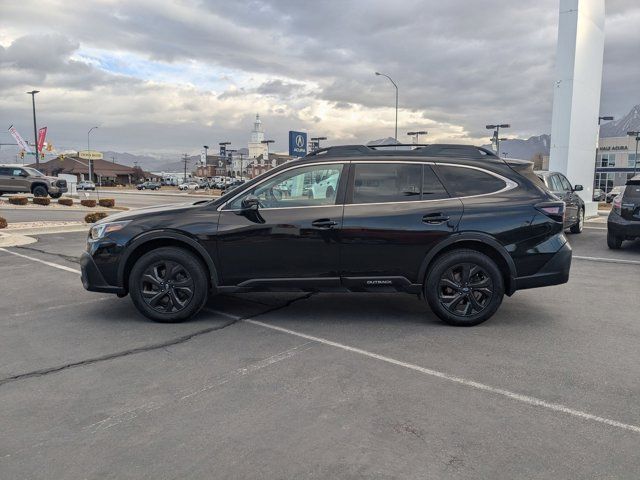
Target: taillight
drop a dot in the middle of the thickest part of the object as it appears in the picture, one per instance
(617, 204)
(553, 210)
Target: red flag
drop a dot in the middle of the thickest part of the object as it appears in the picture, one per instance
(42, 133)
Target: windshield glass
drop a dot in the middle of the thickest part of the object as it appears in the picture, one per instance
(33, 172)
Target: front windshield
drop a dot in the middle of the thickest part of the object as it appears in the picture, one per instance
(33, 172)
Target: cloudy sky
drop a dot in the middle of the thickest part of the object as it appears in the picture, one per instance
(167, 76)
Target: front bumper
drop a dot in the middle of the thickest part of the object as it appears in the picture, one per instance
(622, 227)
(93, 280)
(554, 272)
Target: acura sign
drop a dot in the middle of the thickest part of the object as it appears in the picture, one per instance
(297, 144)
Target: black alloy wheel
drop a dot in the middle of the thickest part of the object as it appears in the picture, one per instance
(464, 287)
(40, 191)
(169, 284)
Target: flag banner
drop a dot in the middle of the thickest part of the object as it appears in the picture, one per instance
(42, 133)
(19, 140)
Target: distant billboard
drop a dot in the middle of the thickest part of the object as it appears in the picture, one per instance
(90, 155)
(297, 144)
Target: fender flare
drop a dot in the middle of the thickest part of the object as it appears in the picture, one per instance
(147, 237)
(473, 237)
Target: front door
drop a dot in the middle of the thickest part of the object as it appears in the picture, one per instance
(394, 214)
(291, 239)
(561, 188)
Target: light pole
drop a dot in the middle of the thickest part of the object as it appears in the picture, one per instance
(496, 134)
(89, 154)
(315, 141)
(230, 152)
(395, 137)
(417, 135)
(595, 169)
(35, 129)
(635, 163)
(206, 149)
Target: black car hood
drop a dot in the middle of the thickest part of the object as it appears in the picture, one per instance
(153, 210)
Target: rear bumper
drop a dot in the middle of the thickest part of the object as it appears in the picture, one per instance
(92, 279)
(554, 272)
(622, 227)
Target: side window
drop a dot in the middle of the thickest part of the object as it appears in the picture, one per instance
(5, 171)
(16, 172)
(556, 184)
(300, 187)
(566, 186)
(432, 188)
(464, 182)
(386, 182)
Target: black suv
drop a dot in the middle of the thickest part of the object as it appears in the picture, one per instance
(455, 224)
(624, 219)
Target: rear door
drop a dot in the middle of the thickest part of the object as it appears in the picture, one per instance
(394, 213)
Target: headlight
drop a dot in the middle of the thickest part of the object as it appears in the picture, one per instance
(99, 231)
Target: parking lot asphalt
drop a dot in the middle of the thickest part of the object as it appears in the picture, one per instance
(319, 386)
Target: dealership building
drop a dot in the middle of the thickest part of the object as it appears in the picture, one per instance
(615, 162)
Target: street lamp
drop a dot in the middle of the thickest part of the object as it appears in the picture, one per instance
(396, 86)
(35, 129)
(496, 134)
(230, 152)
(417, 135)
(89, 154)
(315, 142)
(635, 163)
(206, 149)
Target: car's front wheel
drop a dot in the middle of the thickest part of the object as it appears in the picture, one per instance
(168, 284)
(464, 287)
(40, 191)
(579, 225)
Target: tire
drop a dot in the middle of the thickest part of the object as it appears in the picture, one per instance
(579, 226)
(614, 242)
(168, 303)
(455, 300)
(55, 195)
(40, 191)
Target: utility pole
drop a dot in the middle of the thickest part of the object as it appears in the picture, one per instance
(89, 154)
(35, 129)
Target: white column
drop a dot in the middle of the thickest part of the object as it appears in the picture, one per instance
(576, 98)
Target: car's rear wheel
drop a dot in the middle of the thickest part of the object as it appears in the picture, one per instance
(168, 284)
(40, 191)
(464, 287)
(613, 241)
(579, 225)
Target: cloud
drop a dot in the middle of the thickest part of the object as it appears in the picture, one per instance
(168, 75)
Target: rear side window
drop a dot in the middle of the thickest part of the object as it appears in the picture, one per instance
(464, 182)
(5, 171)
(386, 182)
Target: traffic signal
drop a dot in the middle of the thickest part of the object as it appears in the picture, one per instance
(22, 154)
(42, 156)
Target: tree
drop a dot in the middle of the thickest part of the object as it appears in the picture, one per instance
(137, 175)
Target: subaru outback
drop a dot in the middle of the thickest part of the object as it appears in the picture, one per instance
(453, 224)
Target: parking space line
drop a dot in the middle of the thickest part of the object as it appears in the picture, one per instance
(51, 264)
(607, 260)
(526, 399)
(597, 228)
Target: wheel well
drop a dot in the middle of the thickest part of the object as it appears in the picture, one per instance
(157, 243)
(38, 184)
(481, 247)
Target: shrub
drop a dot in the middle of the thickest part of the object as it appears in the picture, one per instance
(3, 223)
(18, 200)
(107, 202)
(94, 217)
(88, 203)
(41, 200)
(67, 202)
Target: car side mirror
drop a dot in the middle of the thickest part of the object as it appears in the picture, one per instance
(578, 188)
(251, 202)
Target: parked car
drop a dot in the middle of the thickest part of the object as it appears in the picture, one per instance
(614, 192)
(558, 184)
(189, 186)
(148, 186)
(623, 222)
(454, 224)
(599, 195)
(85, 185)
(19, 179)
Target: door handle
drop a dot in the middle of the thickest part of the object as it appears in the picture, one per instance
(324, 223)
(435, 218)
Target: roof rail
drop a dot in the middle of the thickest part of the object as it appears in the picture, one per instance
(422, 149)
